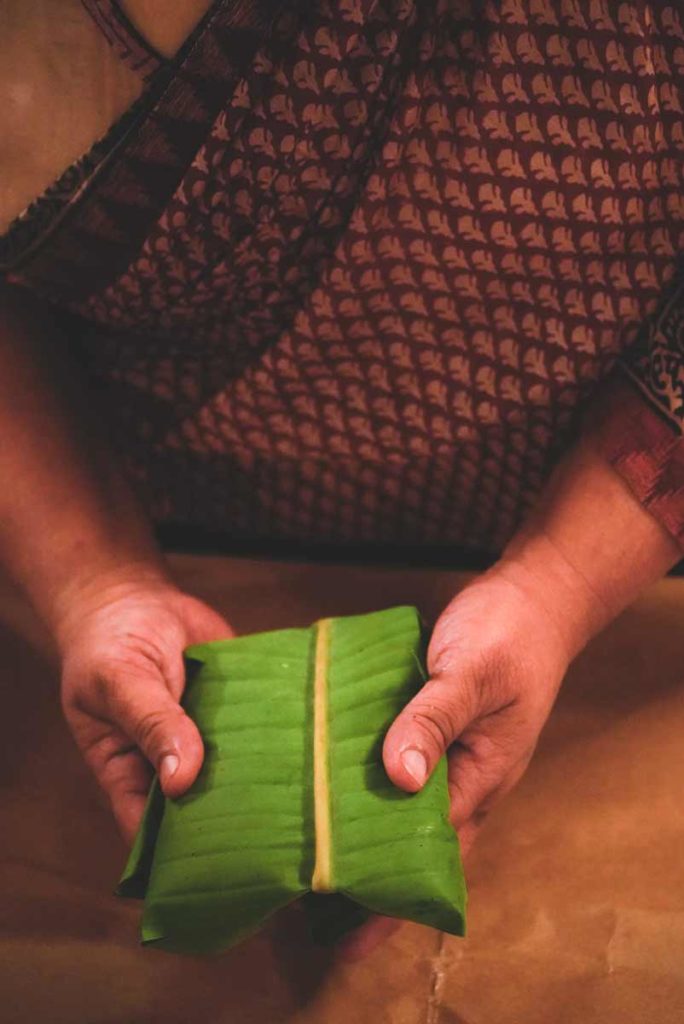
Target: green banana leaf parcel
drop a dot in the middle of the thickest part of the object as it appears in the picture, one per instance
(292, 796)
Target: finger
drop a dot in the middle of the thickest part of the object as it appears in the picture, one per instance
(147, 713)
(120, 769)
(367, 937)
(467, 825)
(127, 783)
(483, 771)
(425, 729)
(469, 831)
(466, 838)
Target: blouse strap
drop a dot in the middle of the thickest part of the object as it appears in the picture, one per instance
(124, 38)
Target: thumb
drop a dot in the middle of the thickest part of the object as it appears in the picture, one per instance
(426, 728)
(147, 713)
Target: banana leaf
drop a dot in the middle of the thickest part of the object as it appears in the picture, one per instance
(293, 797)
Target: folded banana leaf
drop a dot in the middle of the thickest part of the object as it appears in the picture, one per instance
(292, 797)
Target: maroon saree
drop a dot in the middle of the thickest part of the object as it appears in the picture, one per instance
(350, 270)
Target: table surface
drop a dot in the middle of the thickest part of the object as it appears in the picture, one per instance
(576, 884)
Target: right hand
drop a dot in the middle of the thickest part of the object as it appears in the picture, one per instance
(122, 679)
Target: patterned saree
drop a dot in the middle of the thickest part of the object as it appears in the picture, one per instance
(350, 270)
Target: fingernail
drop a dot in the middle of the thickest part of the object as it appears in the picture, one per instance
(168, 767)
(415, 764)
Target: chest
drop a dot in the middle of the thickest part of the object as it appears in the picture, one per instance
(62, 85)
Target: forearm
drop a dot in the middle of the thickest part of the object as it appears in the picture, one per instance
(589, 546)
(68, 520)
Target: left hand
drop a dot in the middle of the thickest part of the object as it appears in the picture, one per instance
(500, 650)
(496, 660)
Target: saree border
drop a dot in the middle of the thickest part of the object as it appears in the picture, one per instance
(100, 211)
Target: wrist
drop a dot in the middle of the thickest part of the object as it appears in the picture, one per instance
(564, 596)
(100, 585)
(589, 546)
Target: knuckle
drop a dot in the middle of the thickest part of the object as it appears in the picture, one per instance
(437, 721)
(494, 675)
(150, 730)
(440, 654)
(475, 773)
(103, 689)
(487, 676)
(497, 751)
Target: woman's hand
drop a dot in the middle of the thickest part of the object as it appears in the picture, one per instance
(122, 680)
(500, 650)
(496, 660)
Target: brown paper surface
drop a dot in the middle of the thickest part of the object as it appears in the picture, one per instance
(576, 908)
